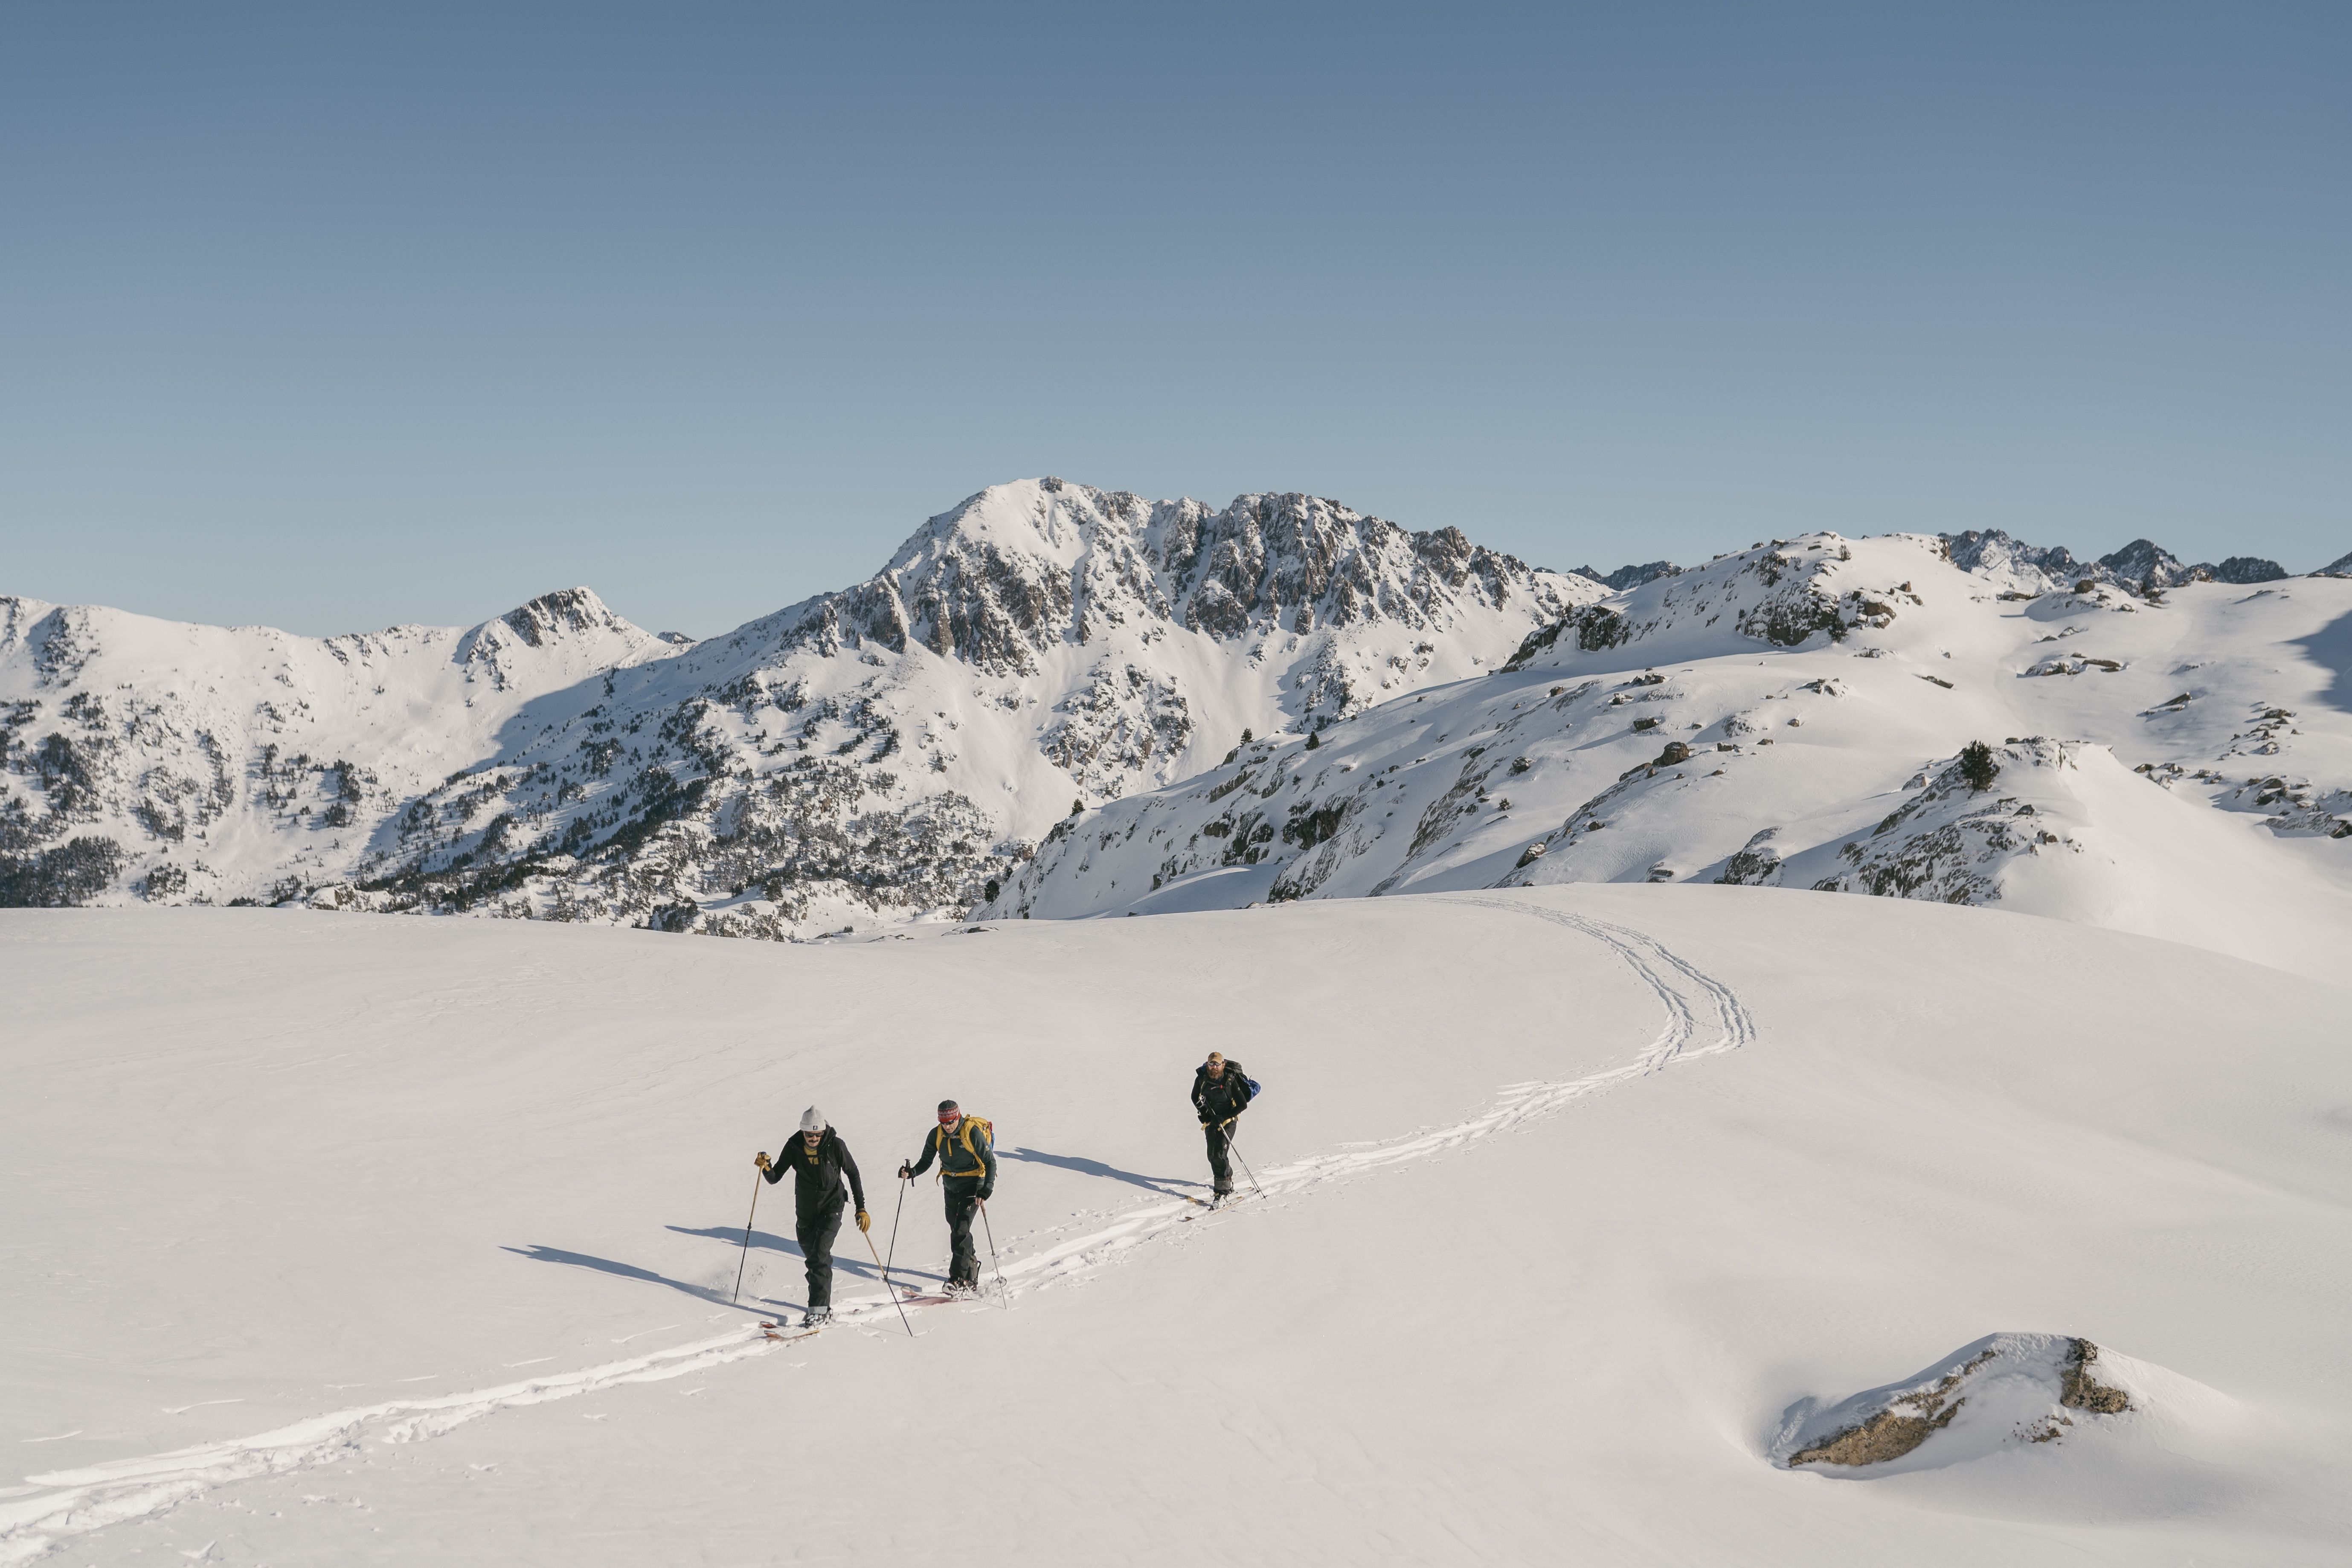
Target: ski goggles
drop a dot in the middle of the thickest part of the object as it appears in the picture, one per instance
(949, 1118)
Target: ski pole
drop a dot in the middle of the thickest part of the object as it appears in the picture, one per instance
(885, 1284)
(738, 1297)
(1002, 1289)
(894, 1227)
(1236, 1153)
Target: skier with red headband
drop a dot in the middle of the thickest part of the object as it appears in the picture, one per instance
(965, 1147)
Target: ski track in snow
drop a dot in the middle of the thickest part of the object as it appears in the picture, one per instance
(76, 1501)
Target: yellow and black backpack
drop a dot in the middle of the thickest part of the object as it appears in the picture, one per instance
(963, 1136)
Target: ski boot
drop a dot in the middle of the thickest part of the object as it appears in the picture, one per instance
(816, 1316)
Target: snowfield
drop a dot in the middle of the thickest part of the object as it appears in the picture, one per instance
(1589, 1211)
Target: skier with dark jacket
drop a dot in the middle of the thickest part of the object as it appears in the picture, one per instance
(1221, 1092)
(818, 1159)
(965, 1149)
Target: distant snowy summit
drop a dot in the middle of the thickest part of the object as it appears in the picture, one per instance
(2012, 563)
(877, 753)
(2142, 563)
(1056, 700)
(1866, 716)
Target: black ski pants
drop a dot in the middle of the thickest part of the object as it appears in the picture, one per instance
(963, 1202)
(815, 1234)
(1221, 1143)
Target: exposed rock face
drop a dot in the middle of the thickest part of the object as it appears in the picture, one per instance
(2079, 1387)
(2140, 565)
(1626, 577)
(2005, 1392)
(2143, 561)
(2246, 569)
(2013, 563)
(868, 754)
(1757, 864)
(1951, 840)
(1909, 1419)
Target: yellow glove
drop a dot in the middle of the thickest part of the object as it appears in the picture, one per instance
(863, 1222)
(762, 1161)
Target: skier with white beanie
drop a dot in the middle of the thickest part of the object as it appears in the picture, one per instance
(818, 1159)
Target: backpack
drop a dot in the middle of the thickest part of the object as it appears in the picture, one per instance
(963, 1136)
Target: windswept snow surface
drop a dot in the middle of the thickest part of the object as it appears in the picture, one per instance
(387, 1240)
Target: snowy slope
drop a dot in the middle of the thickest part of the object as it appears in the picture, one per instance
(204, 764)
(2177, 765)
(879, 753)
(1591, 1212)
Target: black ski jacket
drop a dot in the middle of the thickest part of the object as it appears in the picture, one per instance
(954, 1163)
(816, 1187)
(1221, 1099)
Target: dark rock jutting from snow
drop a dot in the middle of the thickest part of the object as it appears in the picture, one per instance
(2245, 569)
(1630, 576)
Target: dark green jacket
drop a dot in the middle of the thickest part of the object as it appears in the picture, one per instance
(955, 1161)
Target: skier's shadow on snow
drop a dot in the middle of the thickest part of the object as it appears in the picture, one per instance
(626, 1271)
(1086, 1167)
(842, 1262)
(699, 1292)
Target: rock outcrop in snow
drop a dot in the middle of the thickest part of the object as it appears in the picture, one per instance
(2006, 1391)
(1630, 576)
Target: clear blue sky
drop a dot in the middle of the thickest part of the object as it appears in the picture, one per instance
(331, 317)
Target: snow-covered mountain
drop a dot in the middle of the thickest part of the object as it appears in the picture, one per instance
(2011, 563)
(187, 763)
(2176, 762)
(877, 753)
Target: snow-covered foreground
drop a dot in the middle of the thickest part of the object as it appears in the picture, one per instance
(1586, 1208)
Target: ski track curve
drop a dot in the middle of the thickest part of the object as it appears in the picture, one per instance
(68, 1503)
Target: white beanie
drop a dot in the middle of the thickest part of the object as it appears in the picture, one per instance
(812, 1120)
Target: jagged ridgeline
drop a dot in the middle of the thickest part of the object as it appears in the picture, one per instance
(877, 753)
(1898, 717)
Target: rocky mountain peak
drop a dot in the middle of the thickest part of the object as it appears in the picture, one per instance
(565, 610)
(2144, 560)
(1022, 568)
(2014, 565)
(872, 753)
